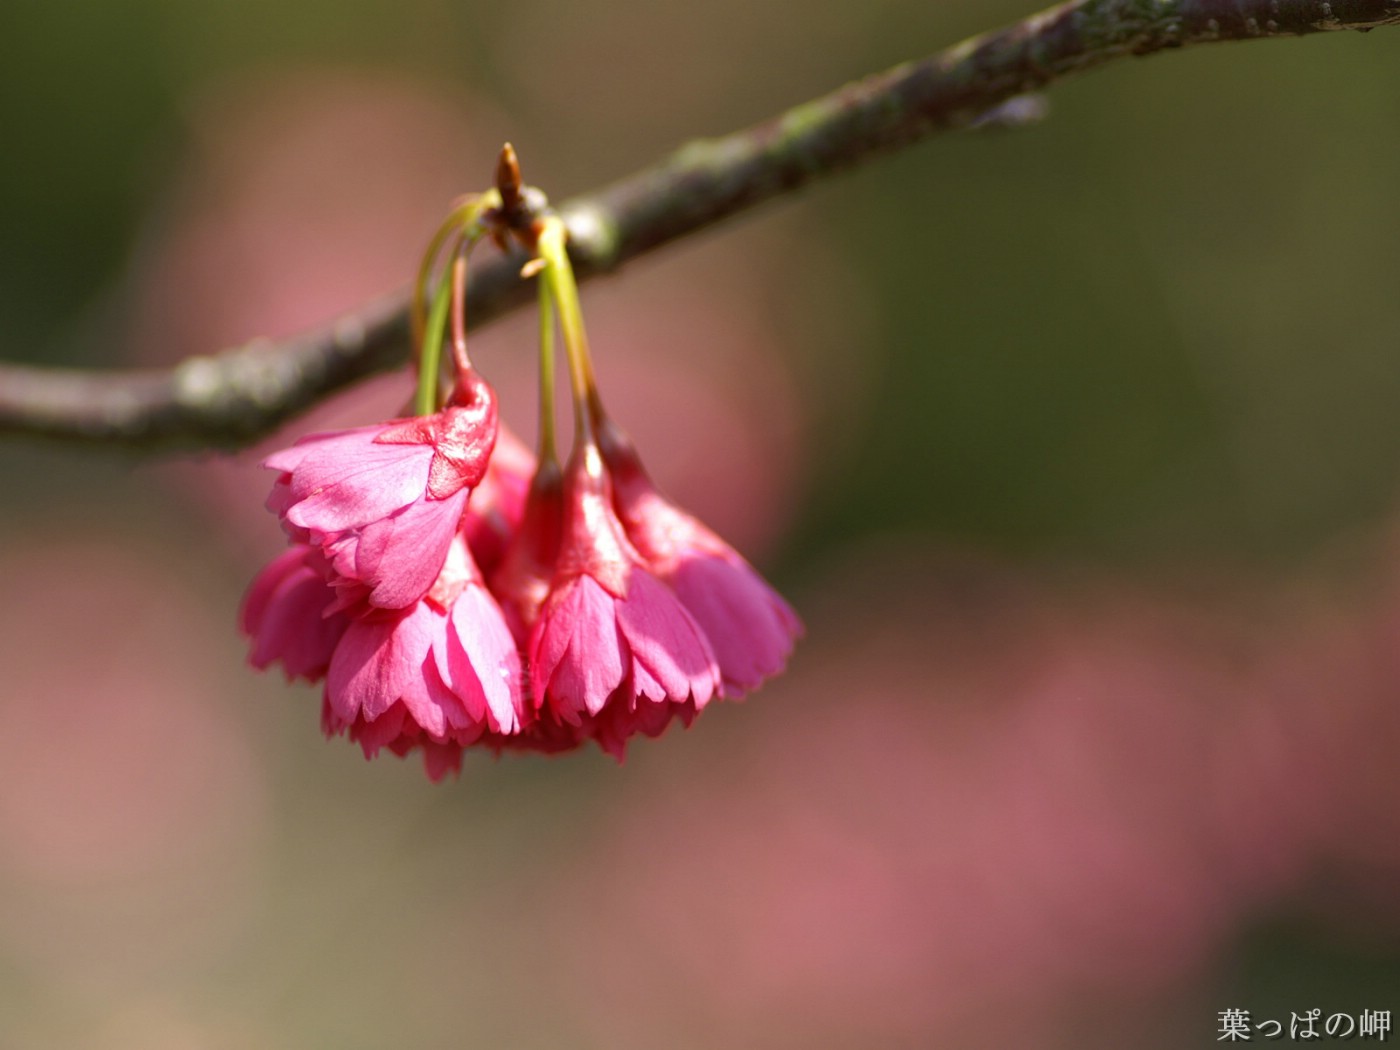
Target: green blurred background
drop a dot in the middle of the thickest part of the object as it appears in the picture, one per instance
(1075, 445)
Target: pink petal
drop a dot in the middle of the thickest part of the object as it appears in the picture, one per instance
(279, 499)
(377, 661)
(331, 723)
(338, 487)
(296, 631)
(441, 759)
(483, 664)
(382, 732)
(399, 557)
(283, 613)
(260, 591)
(460, 724)
(671, 659)
(577, 652)
(431, 705)
(288, 459)
(618, 724)
(750, 628)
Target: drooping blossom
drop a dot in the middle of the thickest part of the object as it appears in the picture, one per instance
(591, 627)
(750, 628)
(383, 502)
(435, 676)
(612, 643)
(285, 613)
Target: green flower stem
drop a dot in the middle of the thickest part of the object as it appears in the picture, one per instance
(429, 332)
(465, 218)
(547, 452)
(558, 277)
(425, 401)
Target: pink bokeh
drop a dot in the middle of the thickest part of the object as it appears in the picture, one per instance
(128, 779)
(1010, 805)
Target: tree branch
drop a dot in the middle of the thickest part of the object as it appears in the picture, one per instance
(232, 398)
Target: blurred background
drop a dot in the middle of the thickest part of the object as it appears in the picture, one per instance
(1074, 445)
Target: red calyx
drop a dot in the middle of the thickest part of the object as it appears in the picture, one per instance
(462, 435)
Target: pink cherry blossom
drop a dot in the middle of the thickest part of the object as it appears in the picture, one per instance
(286, 614)
(383, 502)
(750, 628)
(610, 636)
(435, 676)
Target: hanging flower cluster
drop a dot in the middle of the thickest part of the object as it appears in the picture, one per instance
(452, 589)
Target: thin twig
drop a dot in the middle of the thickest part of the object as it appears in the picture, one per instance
(232, 398)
